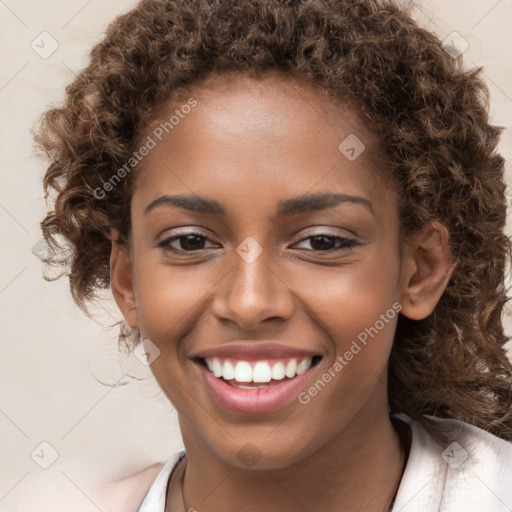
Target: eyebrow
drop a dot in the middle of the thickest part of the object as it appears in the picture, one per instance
(286, 207)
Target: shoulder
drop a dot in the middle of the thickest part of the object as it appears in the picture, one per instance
(479, 468)
(126, 494)
(140, 492)
(475, 449)
(473, 470)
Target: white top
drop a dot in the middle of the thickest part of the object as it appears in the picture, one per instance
(473, 473)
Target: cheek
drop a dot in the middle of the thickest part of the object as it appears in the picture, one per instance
(167, 297)
(357, 310)
(348, 299)
(168, 303)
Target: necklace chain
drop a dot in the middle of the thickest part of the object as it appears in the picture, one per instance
(388, 508)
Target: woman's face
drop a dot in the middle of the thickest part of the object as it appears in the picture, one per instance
(294, 254)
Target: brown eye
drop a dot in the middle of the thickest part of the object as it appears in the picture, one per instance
(188, 242)
(324, 242)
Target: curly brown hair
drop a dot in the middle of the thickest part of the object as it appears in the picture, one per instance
(430, 114)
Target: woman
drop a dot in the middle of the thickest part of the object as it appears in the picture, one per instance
(299, 209)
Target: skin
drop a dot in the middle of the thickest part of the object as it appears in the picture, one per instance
(249, 144)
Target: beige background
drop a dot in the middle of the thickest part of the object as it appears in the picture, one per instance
(50, 351)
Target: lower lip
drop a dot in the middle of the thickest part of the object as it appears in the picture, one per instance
(254, 401)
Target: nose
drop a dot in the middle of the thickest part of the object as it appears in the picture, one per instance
(252, 292)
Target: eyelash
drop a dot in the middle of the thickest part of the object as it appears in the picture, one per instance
(346, 243)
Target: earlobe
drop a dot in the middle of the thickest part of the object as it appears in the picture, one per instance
(426, 270)
(121, 280)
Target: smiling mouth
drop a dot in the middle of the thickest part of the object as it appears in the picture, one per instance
(257, 374)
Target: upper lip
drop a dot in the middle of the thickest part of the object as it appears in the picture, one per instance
(244, 350)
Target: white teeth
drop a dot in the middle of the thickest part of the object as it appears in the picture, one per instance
(243, 372)
(241, 386)
(291, 368)
(303, 366)
(261, 371)
(228, 371)
(278, 371)
(216, 367)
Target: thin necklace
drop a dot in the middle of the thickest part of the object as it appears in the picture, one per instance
(388, 508)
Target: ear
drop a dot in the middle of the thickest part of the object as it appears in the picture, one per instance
(427, 267)
(121, 280)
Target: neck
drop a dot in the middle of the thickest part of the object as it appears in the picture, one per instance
(358, 469)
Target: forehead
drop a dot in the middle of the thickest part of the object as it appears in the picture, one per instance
(268, 136)
(274, 99)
